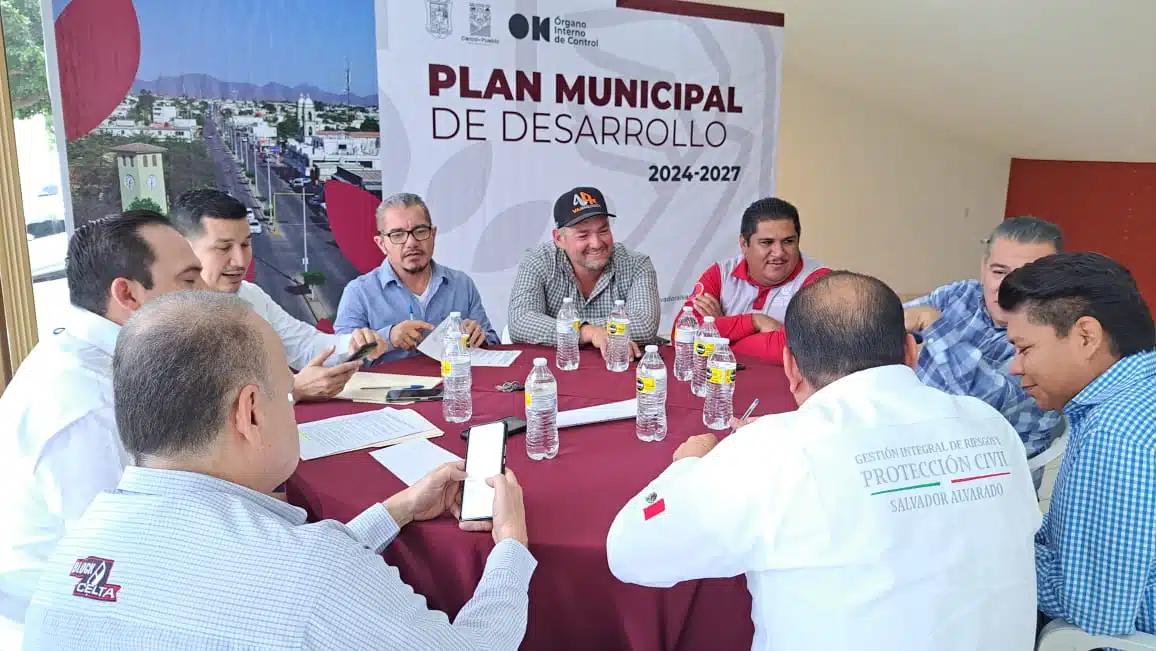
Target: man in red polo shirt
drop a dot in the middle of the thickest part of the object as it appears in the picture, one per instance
(748, 294)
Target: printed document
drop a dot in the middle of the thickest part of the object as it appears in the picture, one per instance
(377, 428)
(433, 348)
(623, 410)
(412, 460)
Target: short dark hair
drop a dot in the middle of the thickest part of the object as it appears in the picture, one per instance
(765, 210)
(843, 323)
(192, 206)
(105, 249)
(180, 361)
(1057, 290)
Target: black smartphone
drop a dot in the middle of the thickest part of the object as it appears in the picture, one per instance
(360, 353)
(485, 458)
(413, 395)
(514, 425)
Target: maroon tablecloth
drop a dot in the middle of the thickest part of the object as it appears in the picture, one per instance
(575, 603)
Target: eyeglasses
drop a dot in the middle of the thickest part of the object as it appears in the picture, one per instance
(421, 234)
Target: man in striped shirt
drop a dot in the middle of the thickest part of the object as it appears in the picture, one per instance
(190, 553)
(748, 294)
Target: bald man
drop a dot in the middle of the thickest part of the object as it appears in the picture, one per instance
(190, 553)
(881, 515)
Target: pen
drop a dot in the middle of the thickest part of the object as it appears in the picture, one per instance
(390, 388)
(750, 410)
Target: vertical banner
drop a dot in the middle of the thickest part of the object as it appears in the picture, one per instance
(491, 110)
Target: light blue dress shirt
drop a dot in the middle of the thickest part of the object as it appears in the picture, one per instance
(179, 560)
(378, 300)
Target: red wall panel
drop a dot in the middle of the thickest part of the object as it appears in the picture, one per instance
(1105, 207)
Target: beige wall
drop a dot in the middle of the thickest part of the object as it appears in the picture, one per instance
(881, 194)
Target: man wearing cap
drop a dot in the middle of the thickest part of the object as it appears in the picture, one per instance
(583, 263)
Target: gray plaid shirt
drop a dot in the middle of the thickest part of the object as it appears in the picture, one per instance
(178, 560)
(545, 277)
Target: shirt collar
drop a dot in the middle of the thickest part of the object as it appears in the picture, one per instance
(93, 328)
(1117, 378)
(743, 273)
(895, 378)
(389, 276)
(181, 484)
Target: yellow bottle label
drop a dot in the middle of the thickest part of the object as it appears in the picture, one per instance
(577, 325)
(721, 376)
(615, 327)
(445, 368)
(528, 399)
(465, 341)
(703, 348)
(645, 385)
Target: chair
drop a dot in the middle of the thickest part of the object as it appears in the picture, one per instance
(506, 336)
(1059, 635)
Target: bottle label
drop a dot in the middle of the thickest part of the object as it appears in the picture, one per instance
(616, 327)
(465, 341)
(577, 325)
(446, 368)
(646, 385)
(528, 399)
(703, 348)
(721, 375)
(685, 335)
(567, 328)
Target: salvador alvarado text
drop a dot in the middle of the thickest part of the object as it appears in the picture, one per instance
(565, 128)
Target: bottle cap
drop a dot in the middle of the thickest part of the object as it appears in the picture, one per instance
(708, 319)
(539, 361)
(651, 348)
(687, 308)
(457, 314)
(619, 302)
(567, 300)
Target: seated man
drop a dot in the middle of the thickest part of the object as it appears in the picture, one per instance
(409, 294)
(216, 225)
(1085, 343)
(189, 552)
(965, 345)
(748, 294)
(585, 264)
(58, 442)
(882, 515)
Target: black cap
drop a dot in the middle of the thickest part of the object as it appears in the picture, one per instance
(578, 205)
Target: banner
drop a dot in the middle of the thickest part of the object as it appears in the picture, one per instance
(493, 109)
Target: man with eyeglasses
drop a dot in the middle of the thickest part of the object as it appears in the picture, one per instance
(409, 293)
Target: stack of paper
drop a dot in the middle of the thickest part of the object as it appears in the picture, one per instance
(371, 429)
(433, 348)
(372, 387)
(598, 413)
(412, 460)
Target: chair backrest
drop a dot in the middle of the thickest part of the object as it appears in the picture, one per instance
(1059, 635)
(506, 335)
(1055, 450)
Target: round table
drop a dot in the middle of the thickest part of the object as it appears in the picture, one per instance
(575, 602)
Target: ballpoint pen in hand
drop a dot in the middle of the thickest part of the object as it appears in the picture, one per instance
(750, 410)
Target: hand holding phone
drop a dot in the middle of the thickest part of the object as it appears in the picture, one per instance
(485, 458)
(360, 353)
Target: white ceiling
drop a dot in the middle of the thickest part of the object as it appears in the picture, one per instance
(1059, 79)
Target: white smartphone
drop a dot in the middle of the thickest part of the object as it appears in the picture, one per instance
(485, 458)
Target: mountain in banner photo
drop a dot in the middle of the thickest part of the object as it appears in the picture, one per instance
(202, 86)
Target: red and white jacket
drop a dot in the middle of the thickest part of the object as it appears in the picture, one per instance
(730, 282)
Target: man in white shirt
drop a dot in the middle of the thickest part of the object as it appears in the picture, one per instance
(882, 515)
(217, 227)
(189, 552)
(58, 441)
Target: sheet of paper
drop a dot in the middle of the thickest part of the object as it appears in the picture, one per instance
(355, 431)
(412, 460)
(482, 357)
(598, 413)
(372, 387)
(432, 347)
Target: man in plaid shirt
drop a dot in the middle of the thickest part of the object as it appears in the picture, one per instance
(585, 264)
(965, 345)
(1085, 342)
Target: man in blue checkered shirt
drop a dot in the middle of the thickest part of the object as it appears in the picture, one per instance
(1085, 342)
(965, 346)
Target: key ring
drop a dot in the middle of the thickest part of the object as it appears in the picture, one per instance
(510, 387)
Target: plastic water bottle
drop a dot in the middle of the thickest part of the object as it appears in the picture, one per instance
(455, 325)
(651, 390)
(541, 412)
(704, 343)
(685, 330)
(567, 336)
(457, 380)
(618, 339)
(719, 407)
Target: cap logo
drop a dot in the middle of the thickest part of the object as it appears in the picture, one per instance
(583, 200)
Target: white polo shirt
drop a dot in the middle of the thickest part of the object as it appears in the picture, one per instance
(59, 448)
(882, 515)
(302, 341)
